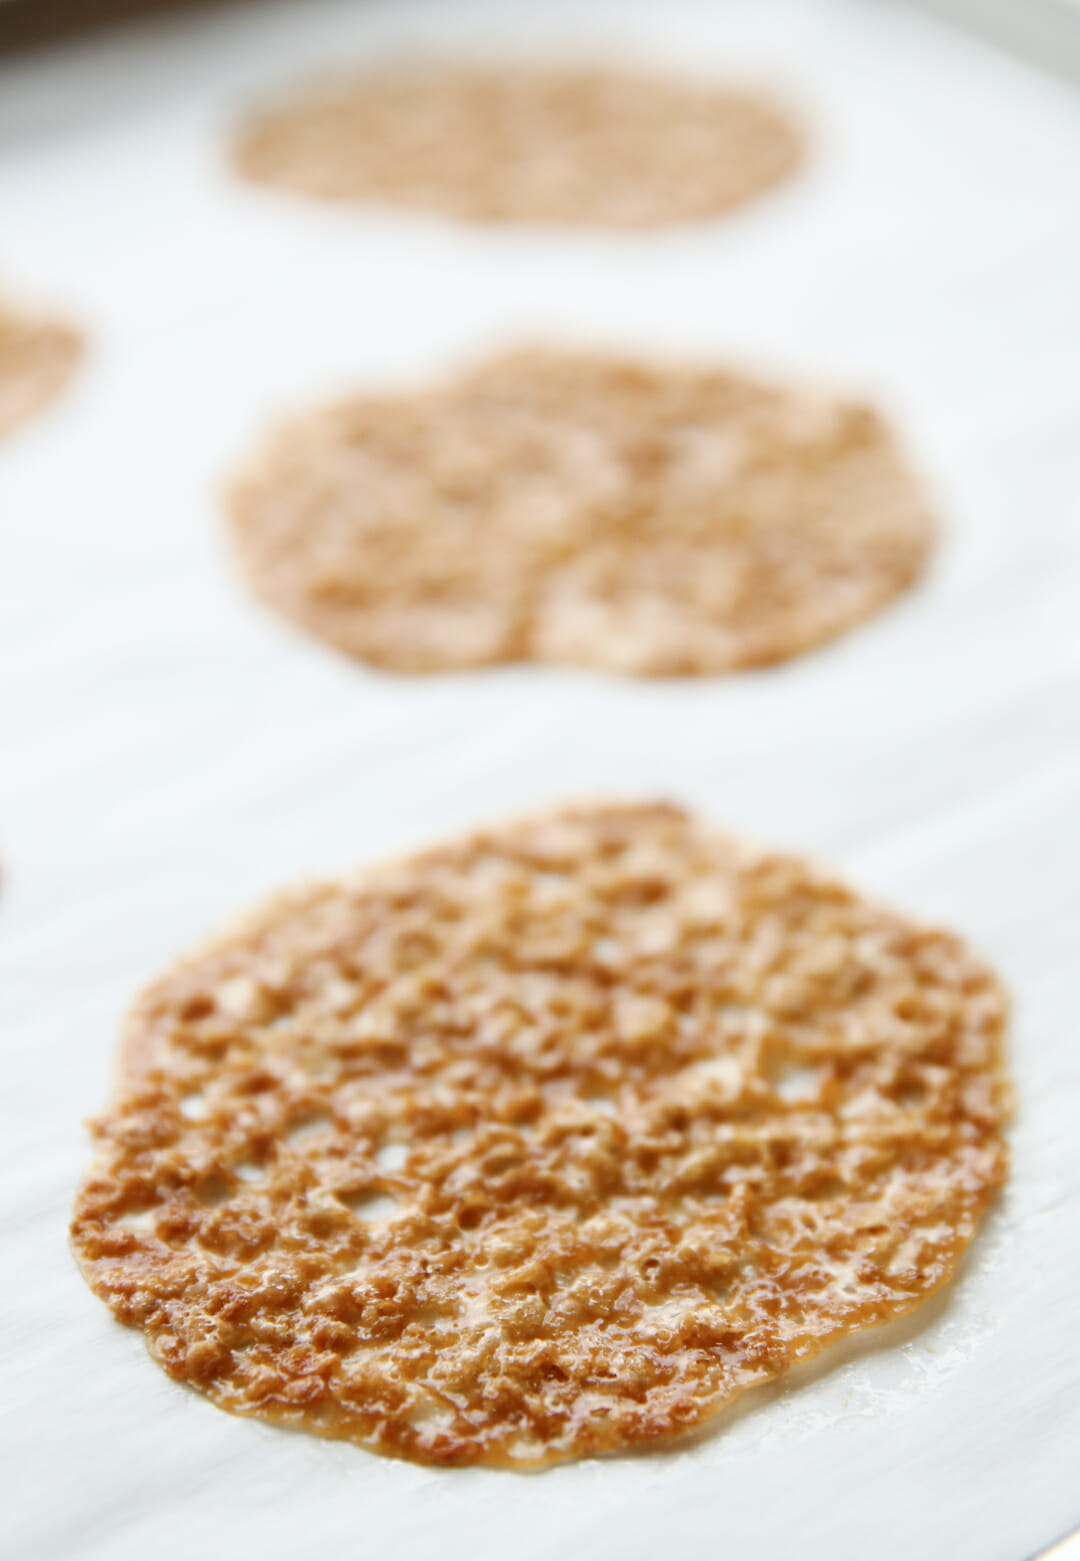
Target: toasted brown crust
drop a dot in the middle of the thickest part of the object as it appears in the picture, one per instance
(584, 510)
(37, 357)
(536, 145)
(659, 1115)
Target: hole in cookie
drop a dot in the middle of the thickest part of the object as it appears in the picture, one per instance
(725, 1070)
(429, 1414)
(359, 1268)
(249, 1171)
(139, 1221)
(193, 1106)
(796, 1082)
(549, 878)
(307, 1128)
(372, 1206)
(675, 1309)
(525, 1447)
(391, 1157)
(470, 1217)
(241, 998)
(712, 1195)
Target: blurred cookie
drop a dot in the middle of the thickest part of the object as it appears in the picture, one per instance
(546, 1142)
(37, 357)
(514, 144)
(560, 507)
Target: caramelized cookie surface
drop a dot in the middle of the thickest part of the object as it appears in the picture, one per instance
(543, 1143)
(570, 146)
(582, 510)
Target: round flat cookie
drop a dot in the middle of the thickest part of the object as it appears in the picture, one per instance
(544, 1143)
(559, 507)
(514, 144)
(36, 361)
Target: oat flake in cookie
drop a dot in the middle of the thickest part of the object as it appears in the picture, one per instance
(37, 357)
(546, 1142)
(559, 145)
(573, 508)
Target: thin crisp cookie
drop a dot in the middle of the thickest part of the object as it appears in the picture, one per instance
(37, 358)
(580, 509)
(559, 145)
(544, 1143)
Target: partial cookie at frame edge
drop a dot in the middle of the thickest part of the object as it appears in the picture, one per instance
(38, 355)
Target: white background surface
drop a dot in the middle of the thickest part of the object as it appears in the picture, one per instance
(168, 751)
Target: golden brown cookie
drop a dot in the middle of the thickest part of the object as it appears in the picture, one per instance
(36, 361)
(578, 509)
(517, 144)
(546, 1142)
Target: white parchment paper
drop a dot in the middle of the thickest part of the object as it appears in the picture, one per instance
(168, 751)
